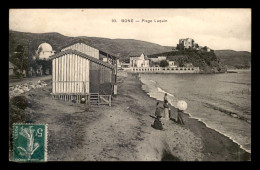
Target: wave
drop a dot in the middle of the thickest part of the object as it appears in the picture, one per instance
(236, 82)
(153, 81)
(228, 112)
(163, 91)
(205, 100)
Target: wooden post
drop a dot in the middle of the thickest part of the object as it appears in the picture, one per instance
(116, 70)
(109, 100)
(98, 99)
(115, 89)
(52, 76)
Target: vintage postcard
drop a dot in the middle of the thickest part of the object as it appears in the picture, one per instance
(129, 85)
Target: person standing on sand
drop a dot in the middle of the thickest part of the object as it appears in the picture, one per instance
(165, 97)
(157, 111)
(179, 117)
(170, 115)
(166, 110)
(157, 122)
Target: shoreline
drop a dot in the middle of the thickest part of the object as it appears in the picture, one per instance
(123, 131)
(188, 115)
(198, 119)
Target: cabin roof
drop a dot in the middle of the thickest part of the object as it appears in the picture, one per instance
(89, 44)
(69, 51)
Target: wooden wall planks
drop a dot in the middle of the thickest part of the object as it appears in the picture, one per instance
(69, 73)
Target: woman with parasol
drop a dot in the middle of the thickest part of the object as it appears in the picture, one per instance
(181, 106)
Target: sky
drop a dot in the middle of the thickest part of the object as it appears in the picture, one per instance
(215, 28)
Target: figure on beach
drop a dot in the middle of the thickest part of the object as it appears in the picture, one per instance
(157, 122)
(165, 97)
(181, 106)
(166, 110)
(158, 111)
(179, 117)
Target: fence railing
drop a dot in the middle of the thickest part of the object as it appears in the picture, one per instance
(91, 98)
(104, 100)
(71, 97)
(164, 69)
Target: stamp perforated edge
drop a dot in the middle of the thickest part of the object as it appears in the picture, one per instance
(45, 140)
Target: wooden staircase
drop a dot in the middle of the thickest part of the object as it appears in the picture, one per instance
(97, 99)
(94, 98)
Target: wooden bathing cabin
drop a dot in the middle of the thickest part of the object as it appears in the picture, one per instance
(78, 72)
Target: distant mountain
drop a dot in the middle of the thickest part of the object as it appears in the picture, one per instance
(123, 48)
(120, 47)
(234, 59)
(170, 48)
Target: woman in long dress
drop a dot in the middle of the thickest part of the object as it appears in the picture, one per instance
(158, 111)
(179, 117)
(166, 110)
(157, 122)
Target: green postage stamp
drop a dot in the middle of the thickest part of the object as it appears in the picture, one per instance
(30, 142)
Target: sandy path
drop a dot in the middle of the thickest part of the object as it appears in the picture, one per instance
(124, 132)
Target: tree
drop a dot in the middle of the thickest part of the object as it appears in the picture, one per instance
(164, 63)
(181, 62)
(18, 58)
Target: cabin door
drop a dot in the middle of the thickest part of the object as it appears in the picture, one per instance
(94, 79)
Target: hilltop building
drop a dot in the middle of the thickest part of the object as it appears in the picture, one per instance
(187, 43)
(141, 61)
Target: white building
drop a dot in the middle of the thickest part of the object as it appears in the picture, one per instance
(158, 59)
(171, 64)
(44, 51)
(141, 61)
(186, 43)
(118, 63)
(105, 60)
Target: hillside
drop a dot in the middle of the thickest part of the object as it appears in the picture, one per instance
(234, 59)
(120, 47)
(208, 62)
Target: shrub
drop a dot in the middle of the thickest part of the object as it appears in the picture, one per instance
(19, 101)
(164, 63)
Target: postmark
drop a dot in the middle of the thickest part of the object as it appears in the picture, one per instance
(30, 142)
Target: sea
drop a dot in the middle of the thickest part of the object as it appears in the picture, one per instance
(221, 101)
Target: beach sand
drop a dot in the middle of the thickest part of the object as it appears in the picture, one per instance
(123, 131)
